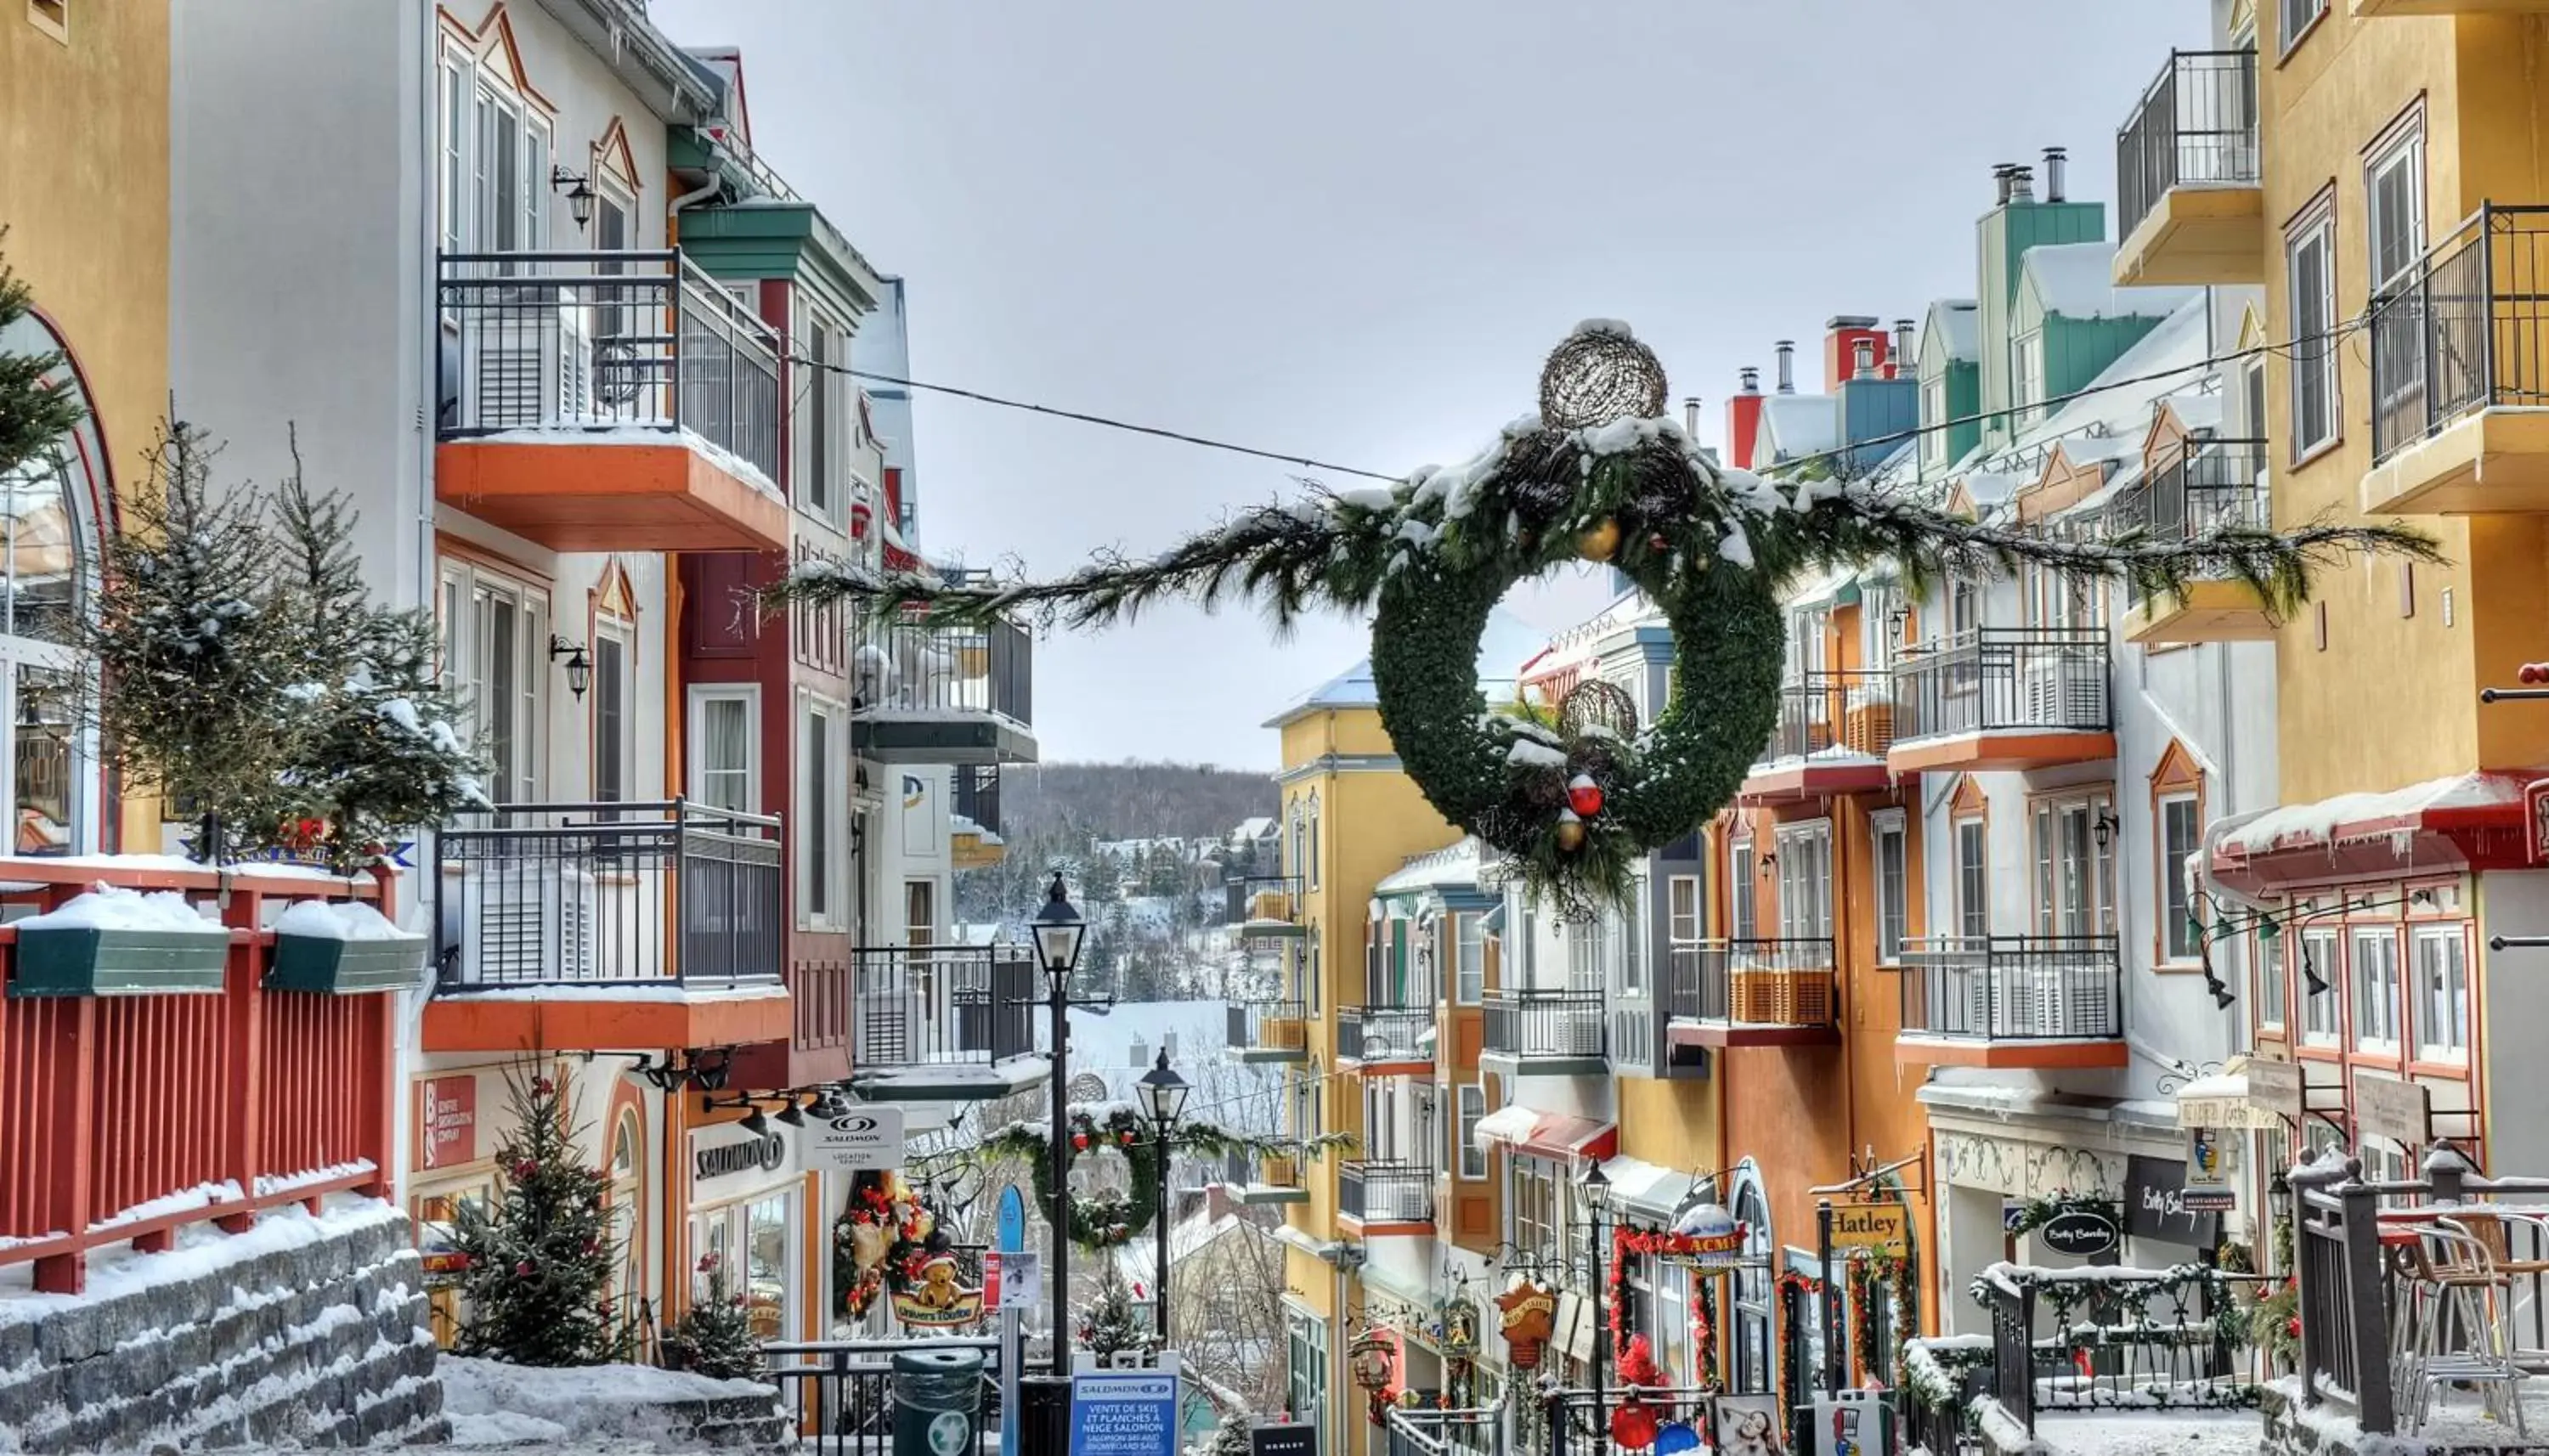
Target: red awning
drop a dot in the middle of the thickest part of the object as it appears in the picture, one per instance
(2468, 821)
(1551, 1135)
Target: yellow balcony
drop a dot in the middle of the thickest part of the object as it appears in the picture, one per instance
(2386, 9)
(2208, 612)
(2459, 376)
(2187, 179)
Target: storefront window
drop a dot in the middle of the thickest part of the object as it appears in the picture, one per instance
(767, 1222)
(46, 570)
(1753, 1294)
(627, 1183)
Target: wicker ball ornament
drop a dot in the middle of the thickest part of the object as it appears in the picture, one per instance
(1597, 706)
(1601, 373)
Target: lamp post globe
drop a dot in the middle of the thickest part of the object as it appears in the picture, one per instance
(1164, 1097)
(1164, 1094)
(1058, 932)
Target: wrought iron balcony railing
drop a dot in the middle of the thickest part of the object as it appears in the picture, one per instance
(1269, 1030)
(2003, 678)
(1385, 1192)
(604, 342)
(1990, 988)
(933, 671)
(1550, 1025)
(1265, 905)
(2196, 125)
(1763, 983)
(2217, 484)
(608, 893)
(938, 1006)
(978, 795)
(1379, 1032)
(2465, 328)
(1832, 713)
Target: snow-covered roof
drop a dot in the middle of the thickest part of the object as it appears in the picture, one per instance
(2322, 822)
(1254, 827)
(2077, 281)
(1959, 326)
(1798, 424)
(1452, 864)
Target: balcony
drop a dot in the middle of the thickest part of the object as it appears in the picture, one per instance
(973, 827)
(2002, 698)
(608, 402)
(1544, 1032)
(1387, 1041)
(1268, 907)
(1832, 737)
(2187, 191)
(1387, 1197)
(2013, 1001)
(620, 927)
(943, 1023)
(2460, 371)
(1276, 1178)
(1753, 993)
(1269, 1031)
(2215, 485)
(923, 693)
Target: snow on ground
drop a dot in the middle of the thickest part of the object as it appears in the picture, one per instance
(2151, 1433)
(491, 1403)
(201, 1250)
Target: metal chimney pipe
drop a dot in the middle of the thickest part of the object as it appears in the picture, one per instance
(2021, 184)
(1690, 416)
(2000, 180)
(1902, 348)
(1787, 349)
(1752, 379)
(1863, 359)
(2054, 159)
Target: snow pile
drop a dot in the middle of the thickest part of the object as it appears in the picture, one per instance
(200, 1249)
(2156, 1434)
(489, 1402)
(183, 1201)
(110, 907)
(335, 920)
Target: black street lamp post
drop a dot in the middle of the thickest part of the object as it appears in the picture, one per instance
(1044, 1401)
(1164, 1097)
(1596, 1188)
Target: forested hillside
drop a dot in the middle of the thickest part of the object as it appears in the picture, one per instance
(1054, 813)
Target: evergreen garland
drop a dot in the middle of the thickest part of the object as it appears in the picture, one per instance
(1112, 1219)
(2036, 1212)
(536, 1290)
(1432, 555)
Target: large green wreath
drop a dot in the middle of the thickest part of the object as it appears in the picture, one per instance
(1600, 474)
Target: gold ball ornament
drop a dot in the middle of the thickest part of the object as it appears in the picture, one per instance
(1599, 541)
(1570, 832)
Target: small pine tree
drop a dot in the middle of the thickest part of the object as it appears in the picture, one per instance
(1111, 1324)
(1230, 1438)
(381, 754)
(193, 654)
(714, 1337)
(34, 414)
(538, 1288)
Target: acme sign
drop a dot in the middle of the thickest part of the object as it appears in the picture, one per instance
(763, 1155)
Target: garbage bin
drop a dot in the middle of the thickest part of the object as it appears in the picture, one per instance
(937, 1401)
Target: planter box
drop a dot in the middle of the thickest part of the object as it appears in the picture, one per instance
(332, 967)
(1783, 998)
(118, 962)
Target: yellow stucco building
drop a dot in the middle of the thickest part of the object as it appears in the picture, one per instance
(2399, 234)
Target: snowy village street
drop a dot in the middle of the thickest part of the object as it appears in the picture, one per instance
(1431, 728)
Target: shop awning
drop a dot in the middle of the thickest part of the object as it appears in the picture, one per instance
(2466, 821)
(1644, 1192)
(1549, 1135)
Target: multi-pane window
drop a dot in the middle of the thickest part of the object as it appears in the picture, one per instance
(1469, 935)
(2181, 833)
(1472, 1111)
(1310, 868)
(494, 642)
(495, 159)
(1425, 1123)
(1533, 1190)
(1964, 609)
(2027, 387)
(2319, 976)
(1934, 419)
(2394, 199)
(1682, 906)
(1973, 881)
(2273, 980)
(1893, 888)
(2310, 275)
(1805, 883)
(613, 714)
(2442, 992)
(2297, 17)
(724, 741)
(1738, 890)
(1753, 1288)
(820, 829)
(2075, 867)
(2373, 970)
(1307, 1366)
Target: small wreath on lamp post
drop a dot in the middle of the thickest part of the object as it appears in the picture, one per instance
(1112, 1219)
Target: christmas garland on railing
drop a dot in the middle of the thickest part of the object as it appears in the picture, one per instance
(1601, 474)
(1935, 1368)
(1112, 1219)
(2062, 1292)
(1892, 1271)
(1794, 1289)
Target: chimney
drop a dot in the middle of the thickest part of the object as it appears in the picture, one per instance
(2055, 157)
(1752, 378)
(1903, 363)
(1787, 348)
(2021, 184)
(1863, 359)
(1744, 420)
(2000, 181)
(1690, 416)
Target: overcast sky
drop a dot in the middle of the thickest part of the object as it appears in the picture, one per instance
(1351, 229)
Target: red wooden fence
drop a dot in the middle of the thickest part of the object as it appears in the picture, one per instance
(124, 1118)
